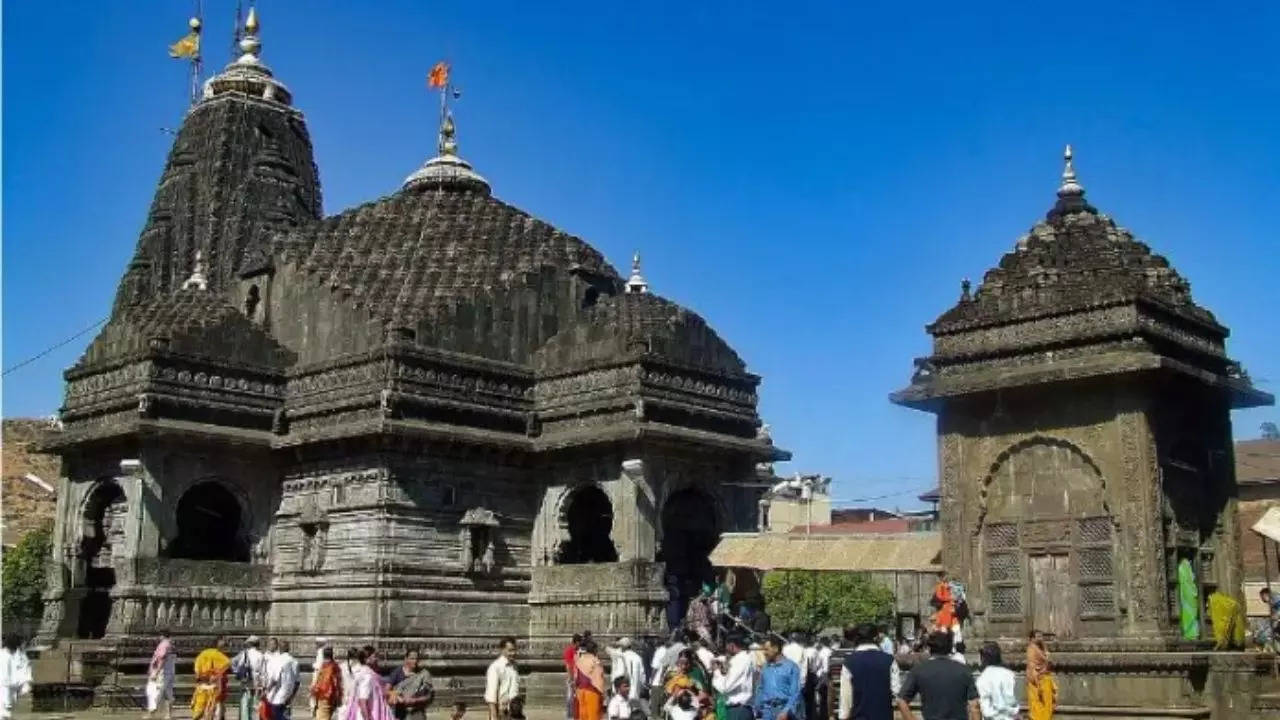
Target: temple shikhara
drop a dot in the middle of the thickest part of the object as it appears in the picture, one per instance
(431, 420)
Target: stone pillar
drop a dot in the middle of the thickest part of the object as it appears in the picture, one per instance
(1139, 518)
(642, 510)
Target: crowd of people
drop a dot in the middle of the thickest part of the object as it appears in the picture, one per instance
(691, 678)
(356, 687)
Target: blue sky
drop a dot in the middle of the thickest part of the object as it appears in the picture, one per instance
(813, 178)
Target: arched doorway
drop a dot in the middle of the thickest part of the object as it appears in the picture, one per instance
(209, 525)
(102, 530)
(588, 517)
(690, 531)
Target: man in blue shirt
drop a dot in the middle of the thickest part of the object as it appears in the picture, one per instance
(778, 694)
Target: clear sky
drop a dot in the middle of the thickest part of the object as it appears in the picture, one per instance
(814, 179)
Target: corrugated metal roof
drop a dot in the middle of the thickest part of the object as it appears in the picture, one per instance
(873, 552)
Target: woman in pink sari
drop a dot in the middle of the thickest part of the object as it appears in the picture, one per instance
(160, 677)
(369, 692)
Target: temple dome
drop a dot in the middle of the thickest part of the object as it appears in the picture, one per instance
(639, 323)
(1075, 258)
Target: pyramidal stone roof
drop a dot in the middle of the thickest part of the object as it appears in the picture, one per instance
(1075, 258)
(641, 323)
(191, 321)
(409, 256)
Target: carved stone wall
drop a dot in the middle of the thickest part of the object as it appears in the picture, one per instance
(1097, 433)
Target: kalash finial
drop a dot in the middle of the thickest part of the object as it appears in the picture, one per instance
(448, 144)
(250, 44)
(636, 283)
(1069, 184)
(446, 169)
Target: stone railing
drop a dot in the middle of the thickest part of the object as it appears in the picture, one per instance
(607, 598)
(205, 596)
(193, 573)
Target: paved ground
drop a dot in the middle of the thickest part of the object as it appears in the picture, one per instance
(184, 713)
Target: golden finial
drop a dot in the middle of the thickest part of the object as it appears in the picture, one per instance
(251, 22)
(448, 144)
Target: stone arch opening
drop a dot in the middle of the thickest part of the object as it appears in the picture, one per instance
(209, 520)
(588, 517)
(101, 539)
(1045, 541)
(690, 531)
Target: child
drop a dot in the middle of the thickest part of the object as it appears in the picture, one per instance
(459, 709)
(681, 707)
(619, 705)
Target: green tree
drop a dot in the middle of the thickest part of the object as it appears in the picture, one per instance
(24, 575)
(812, 601)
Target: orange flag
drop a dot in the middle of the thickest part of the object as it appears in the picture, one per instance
(439, 75)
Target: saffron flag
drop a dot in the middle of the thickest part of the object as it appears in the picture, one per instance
(187, 47)
(439, 75)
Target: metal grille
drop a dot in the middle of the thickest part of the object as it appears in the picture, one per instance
(1002, 566)
(1094, 530)
(1097, 600)
(1096, 563)
(1001, 536)
(1006, 600)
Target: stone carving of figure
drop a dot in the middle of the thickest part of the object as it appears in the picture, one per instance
(487, 561)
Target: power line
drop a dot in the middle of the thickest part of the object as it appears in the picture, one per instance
(48, 350)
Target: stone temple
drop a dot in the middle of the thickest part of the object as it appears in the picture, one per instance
(429, 420)
(1083, 405)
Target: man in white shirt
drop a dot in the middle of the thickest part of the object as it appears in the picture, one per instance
(625, 662)
(663, 659)
(250, 667)
(735, 679)
(794, 652)
(501, 682)
(996, 697)
(620, 704)
(282, 681)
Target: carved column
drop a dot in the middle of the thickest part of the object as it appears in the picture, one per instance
(1139, 517)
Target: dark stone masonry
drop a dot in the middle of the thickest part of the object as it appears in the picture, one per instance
(432, 419)
(1084, 438)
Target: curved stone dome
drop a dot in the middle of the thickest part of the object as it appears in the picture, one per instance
(635, 324)
(450, 261)
(1073, 259)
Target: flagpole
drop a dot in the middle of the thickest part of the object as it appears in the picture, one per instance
(196, 64)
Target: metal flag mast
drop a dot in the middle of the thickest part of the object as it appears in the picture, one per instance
(197, 66)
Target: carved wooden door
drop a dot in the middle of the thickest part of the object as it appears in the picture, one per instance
(1052, 593)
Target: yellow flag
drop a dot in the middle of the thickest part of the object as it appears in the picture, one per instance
(187, 47)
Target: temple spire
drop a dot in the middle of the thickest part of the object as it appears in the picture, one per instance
(446, 169)
(247, 74)
(636, 283)
(1069, 184)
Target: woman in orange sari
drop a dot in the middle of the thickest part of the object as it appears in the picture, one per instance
(588, 683)
(945, 601)
(211, 669)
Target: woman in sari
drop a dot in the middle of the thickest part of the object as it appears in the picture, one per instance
(1228, 621)
(1042, 690)
(588, 683)
(368, 699)
(211, 668)
(688, 675)
(160, 677)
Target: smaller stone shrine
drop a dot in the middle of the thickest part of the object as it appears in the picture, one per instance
(1083, 402)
